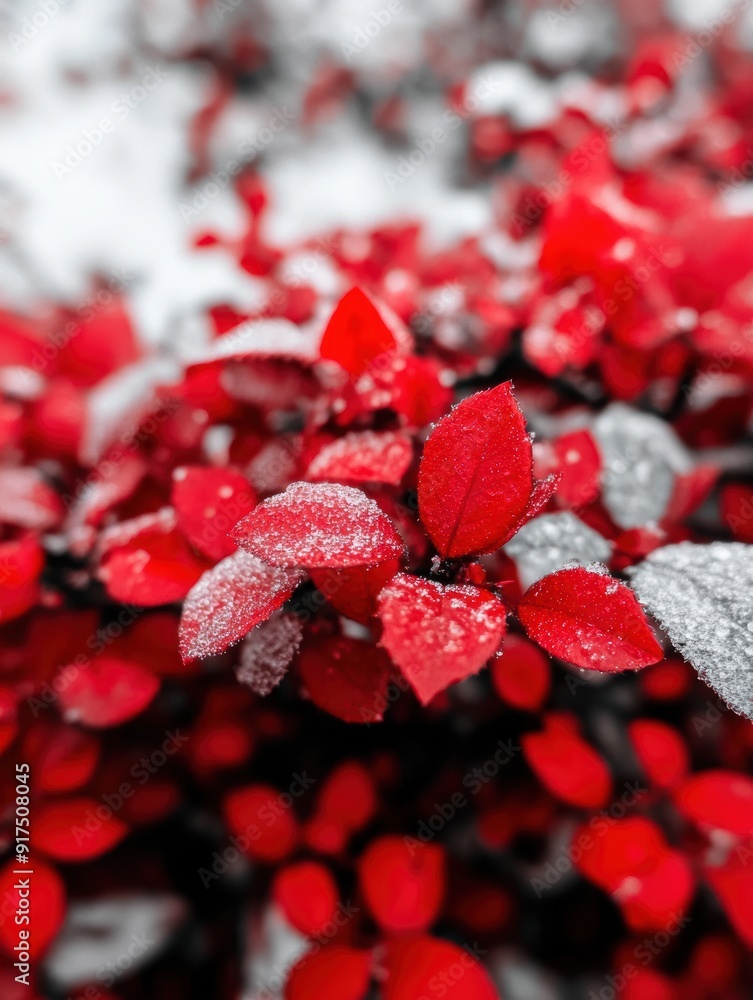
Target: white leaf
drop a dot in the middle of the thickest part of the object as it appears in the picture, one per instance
(550, 541)
(642, 455)
(702, 595)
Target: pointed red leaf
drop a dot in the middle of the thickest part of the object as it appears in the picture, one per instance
(347, 678)
(476, 474)
(208, 503)
(589, 619)
(229, 600)
(438, 634)
(319, 525)
(356, 333)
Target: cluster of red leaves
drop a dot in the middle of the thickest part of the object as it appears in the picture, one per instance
(305, 487)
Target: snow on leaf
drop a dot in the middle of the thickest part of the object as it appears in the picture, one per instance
(476, 476)
(363, 457)
(438, 634)
(319, 525)
(702, 595)
(229, 599)
(642, 456)
(589, 619)
(267, 652)
(549, 541)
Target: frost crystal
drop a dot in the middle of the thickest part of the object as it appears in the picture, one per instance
(552, 541)
(268, 651)
(642, 455)
(703, 597)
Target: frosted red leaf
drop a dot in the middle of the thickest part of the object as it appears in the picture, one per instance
(338, 972)
(346, 677)
(589, 619)
(476, 475)
(208, 503)
(363, 457)
(307, 894)
(265, 819)
(71, 829)
(267, 652)
(438, 634)
(403, 883)
(229, 599)
(153, 565)
(106, 692)
(319, 525)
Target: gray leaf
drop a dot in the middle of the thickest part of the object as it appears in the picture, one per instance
(642, 455)
(550, 541)
(702, 595)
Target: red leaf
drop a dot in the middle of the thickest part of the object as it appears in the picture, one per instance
(733, 884)
(153, 566)
(589, 619)
(337, 972)
(522, 674)
(347, 678)
(438, 634)
(107, 692)
(476, 478)
(263, 821)
(718, 800)
(348, 797)
(319, 525)
(354, 591)
(566, 765)
(426, 966)
(75, 829)
(44, 905)
(356, 334)
(229, 600)
(208, 503)
(21, 562)
(306, 893)
(661, 751)
(363, 457)
(62, 758)
(403, 883)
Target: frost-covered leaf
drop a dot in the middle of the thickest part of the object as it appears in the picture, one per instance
(590, 619)
(438, 634)
(319, 525)
(476, 475)
(238, 593)
(268, 651)
(549, 541)
(702, 595)
(642, 456)
(363, 457)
